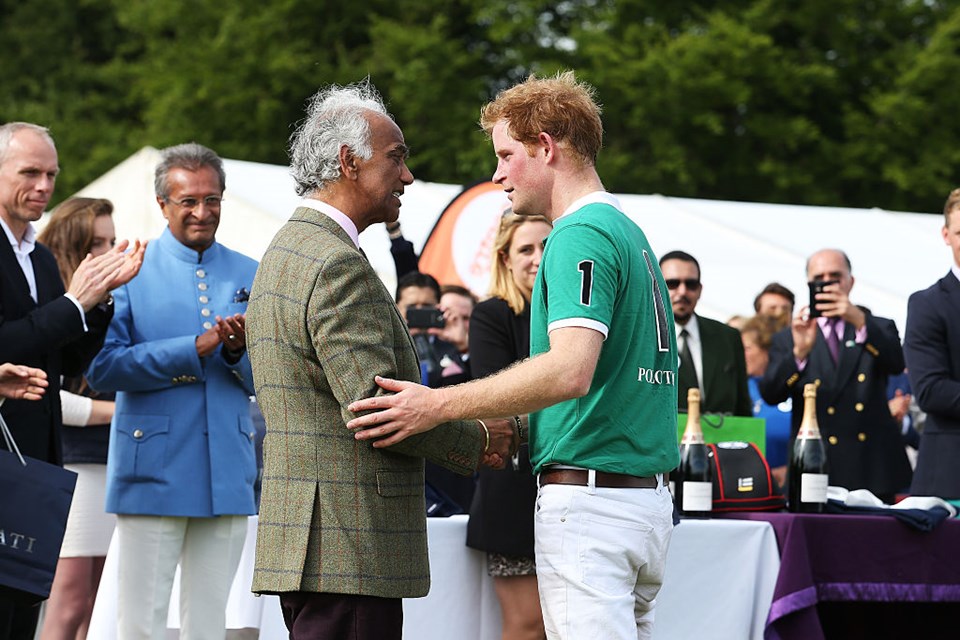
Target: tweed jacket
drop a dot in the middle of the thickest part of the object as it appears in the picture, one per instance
(336, 514)
(864, 447)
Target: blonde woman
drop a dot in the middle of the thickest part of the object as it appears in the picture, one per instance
(77, 227)
(501, 515)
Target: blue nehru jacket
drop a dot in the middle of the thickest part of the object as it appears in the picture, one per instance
(181, 441)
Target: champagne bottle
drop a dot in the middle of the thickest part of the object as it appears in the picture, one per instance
(693, 485)
(807, 477)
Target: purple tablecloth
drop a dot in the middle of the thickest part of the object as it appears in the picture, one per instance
(852, 558)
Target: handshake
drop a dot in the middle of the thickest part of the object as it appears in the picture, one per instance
(501, 440)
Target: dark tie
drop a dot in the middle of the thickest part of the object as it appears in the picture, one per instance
(833, 338)
(687, 375)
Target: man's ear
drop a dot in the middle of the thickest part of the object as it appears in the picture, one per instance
(348, 163)
(161, 202)
(546, 146)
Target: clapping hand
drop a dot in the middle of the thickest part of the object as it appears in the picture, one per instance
(95, 277)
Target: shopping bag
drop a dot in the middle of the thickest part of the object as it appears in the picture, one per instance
(722, 428)
(33, 516)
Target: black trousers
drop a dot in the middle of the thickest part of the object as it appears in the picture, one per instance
(339, 616)
(17, 622)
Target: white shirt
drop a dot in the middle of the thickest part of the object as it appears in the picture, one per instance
(22, 251)
(696, 348)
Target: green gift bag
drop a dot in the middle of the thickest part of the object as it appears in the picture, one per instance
(722, 428)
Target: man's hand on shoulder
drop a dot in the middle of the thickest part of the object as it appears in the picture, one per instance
(410, 409)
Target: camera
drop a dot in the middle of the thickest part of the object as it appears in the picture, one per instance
(425, 318)
(817, 286)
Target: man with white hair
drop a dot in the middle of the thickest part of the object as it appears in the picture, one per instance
(342, 530)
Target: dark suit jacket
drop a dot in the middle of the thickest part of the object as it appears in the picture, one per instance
(864, 448)
(47, 334)
(724, 375)
(931, 344)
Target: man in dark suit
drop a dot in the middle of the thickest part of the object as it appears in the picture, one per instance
(849, 354)
(42, 326)
(931, 344)
(711, 353)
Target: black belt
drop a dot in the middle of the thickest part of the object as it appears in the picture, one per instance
(604, 480)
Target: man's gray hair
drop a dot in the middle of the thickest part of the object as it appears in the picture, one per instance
(190, 156)
(10, 129)
(335, 117)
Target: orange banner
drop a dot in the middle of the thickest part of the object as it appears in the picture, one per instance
(460, 246)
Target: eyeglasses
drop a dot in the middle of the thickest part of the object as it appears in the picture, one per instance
(689, 283)
(210, 202)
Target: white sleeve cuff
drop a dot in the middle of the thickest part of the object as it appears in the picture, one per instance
(83, 316)
(585, 323)
(76, 409)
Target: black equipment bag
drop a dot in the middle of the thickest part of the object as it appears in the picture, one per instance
(742, 480)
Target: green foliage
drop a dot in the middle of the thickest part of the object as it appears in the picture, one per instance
(841, 102)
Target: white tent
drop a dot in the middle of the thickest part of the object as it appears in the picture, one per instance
(741, 246)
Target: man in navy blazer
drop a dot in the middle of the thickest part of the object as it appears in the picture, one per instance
(182, 461)
(42, 325)
(864, 447)
(931, 345)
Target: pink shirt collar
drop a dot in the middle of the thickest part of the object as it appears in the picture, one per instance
(338, 216)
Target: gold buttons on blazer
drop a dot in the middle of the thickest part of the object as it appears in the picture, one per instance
(831, 411)
(817, 382)
(862, 437)
(832, 439)
(858, 406)
(861, 377)
(137, 433)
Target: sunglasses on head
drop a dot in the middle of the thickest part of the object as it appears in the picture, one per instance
(689, 283)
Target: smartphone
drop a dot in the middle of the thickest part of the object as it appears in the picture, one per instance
(817, 286)
(425, 318)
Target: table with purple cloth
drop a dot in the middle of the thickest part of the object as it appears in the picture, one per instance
(853, 576)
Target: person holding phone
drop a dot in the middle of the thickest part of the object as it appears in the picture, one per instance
(849, 353)
(418, 299)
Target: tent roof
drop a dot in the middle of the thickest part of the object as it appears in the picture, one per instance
(741, 246)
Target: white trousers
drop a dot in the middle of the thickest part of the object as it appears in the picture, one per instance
(600, 559)
(208, 551)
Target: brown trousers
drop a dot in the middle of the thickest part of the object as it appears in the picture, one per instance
(340, 616)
